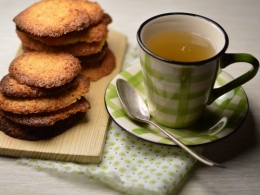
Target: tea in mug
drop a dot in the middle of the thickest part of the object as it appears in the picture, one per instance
(181, 46)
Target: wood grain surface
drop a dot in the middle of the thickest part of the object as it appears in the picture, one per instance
(83, 142)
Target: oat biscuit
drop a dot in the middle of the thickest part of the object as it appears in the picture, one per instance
(53, 18)
(76, 49)
(45, 104)
(49, 118)
(106, 19)
(97, 70)
(47, 70)
(97, 57)
(91, 34)
(12, 88)
(23, 132)
(26, 49)
(93, 9)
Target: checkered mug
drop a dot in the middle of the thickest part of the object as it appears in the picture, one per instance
(178, 92)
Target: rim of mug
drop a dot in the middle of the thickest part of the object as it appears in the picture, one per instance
(217, 55)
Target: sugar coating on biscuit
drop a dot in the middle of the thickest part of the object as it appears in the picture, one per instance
(40, 69)
(54, 18)
(45, 104)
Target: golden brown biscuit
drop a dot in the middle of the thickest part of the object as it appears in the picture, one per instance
(40, 69)
(54, 17)
(23, 132)
(26, 49)
(45, 104)
(94, 33)
(106, 19)
(91, 34)
(12, 88)
(93, 9)
(94, 57)
(76, 49)
(49, 118)
(97, 70)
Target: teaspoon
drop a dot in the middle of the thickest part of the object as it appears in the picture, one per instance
(136, 109)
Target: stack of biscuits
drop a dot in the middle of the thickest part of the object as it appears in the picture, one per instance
(78, 27)
(42, 95)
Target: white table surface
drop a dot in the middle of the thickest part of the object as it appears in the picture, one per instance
(239, 152)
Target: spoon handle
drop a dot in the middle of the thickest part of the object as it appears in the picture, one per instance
(187, 149)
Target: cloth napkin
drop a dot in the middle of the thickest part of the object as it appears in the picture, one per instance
(129, 164)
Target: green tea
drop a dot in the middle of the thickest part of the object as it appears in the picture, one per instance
(181, 46)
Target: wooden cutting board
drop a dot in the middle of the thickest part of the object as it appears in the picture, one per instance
(83, 143)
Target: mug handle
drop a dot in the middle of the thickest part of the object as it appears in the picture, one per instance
(228, 59)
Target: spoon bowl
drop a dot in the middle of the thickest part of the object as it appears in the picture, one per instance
(133, 105)
(136, 109)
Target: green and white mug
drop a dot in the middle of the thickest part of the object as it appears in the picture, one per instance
(178, 92)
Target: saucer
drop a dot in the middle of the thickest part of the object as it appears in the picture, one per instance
(223, 117)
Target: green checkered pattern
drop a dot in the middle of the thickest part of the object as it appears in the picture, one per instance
(221, 118)
(177, 95)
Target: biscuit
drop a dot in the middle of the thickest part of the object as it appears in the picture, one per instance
(54, 17)
(45, 104)
(26, 49)
(83, 59)
(91, 34)
(106, 19)
(94, 57)
(23, 132)
(40, 69)
(97, 70)
(93, 9)
(12, 88)
(49, 118)
(76, 49)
